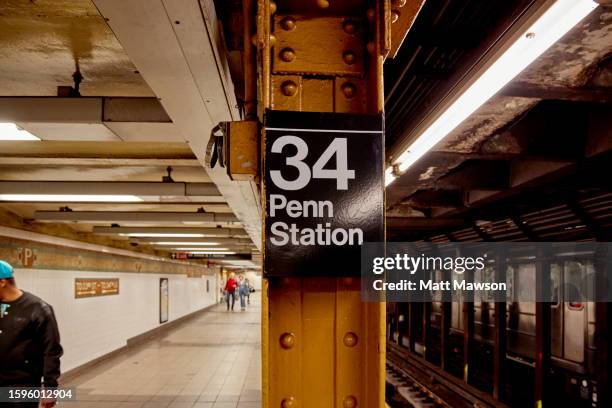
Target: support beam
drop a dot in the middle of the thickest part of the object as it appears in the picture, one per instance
(422, 223)
(68, 150)
(81, 110)
(97, 162)
(90, 118)
(145, 189)
(134, 217)
(477, 174)
(603, 329)
(194, 241)
(539, 91)
(499, 338)
(543, 329)
(436, 198)
(170, 232)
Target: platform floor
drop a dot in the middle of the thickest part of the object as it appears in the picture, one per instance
(212, 361)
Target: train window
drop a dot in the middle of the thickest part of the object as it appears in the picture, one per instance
(436, 295)
(555, 282)
(525, 282)
(574, 272)
(484, 275)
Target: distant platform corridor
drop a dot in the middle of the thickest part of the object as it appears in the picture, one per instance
(210, 361)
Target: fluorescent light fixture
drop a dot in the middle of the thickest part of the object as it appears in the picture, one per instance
(160, 234)
(211, 253)
(183, 243)
(198, 249)
(10, 131)
(561, 17)
(70, 198)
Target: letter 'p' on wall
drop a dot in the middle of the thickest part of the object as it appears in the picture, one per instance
(324, 191)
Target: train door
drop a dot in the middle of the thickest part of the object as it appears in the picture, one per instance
(556, 310)
(574, 321)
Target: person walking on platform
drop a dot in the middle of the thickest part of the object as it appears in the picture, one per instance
(230, 290)
(243, 291)
(30, 347)
(249, 291)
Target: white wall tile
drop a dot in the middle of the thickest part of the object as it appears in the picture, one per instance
(92, 327)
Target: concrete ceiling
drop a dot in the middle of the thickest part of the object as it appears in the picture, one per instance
(43, 41)
(103, 139)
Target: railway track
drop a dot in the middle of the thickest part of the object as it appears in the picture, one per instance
(412, 382)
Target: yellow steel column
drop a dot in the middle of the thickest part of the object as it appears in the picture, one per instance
(322, 347)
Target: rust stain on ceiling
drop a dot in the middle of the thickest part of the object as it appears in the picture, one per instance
(43, 41)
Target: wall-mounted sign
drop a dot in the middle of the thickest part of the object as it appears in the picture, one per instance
(223, 257)
(90, 287)
(324, 191)
(164, 301)
(27, 257)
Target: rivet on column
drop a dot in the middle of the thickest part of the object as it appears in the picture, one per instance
(395, 15)
(349, 402)
(398, 3)
(272, 7)
(349, 27)
(371, 47)
(370, 14)
(350, 339)
(349, 90)
(349, 57)
(288, 23)
(287, 340)
(272, 40)
(287, 54)
(323, 3)
(288, 403)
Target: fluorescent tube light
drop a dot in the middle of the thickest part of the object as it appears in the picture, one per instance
(389, 176)
(183, 243)
(211, 253)
(198, 249)
(561, 17)
(160, 234)
(10, 131)
(69, 198)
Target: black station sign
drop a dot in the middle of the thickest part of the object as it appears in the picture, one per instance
(324, 191)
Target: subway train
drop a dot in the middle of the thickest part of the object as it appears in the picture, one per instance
(572, 369)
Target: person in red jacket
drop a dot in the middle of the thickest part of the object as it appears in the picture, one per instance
(230, 290)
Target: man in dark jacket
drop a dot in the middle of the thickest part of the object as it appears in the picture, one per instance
(30, 347)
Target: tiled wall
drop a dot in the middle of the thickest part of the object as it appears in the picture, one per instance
(92, 327)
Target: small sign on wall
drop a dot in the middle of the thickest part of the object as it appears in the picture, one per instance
(92, 287)
(164, 302)
(27, 257)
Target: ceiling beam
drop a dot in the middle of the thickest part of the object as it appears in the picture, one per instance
(526, 172)
(99, 162)
(156, 217)
(479, 174)
(228, 248)
(109, 188)
(436, 198)
(170, 233)
(538, 91)
(195, 241)
(81, 110)
(422, 223)
(95, 150)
